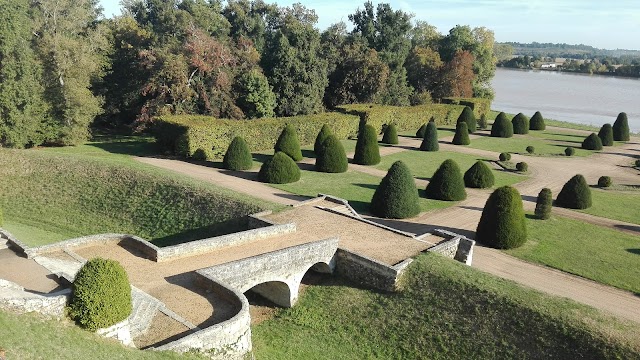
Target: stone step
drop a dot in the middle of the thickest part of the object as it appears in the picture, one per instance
(144, 310)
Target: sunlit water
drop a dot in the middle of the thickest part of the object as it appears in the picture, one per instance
(577, 98)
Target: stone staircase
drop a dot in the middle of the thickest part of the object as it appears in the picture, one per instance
(144, 310)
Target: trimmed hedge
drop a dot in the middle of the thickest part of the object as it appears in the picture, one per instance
(101, 294)
(479, 176)
(390, 135)
(200, 155)
(332, 158)
(544, 204)
(482, 122)
(605, 181)
(520, 124)
(468, 117)
(288, 143)
(502, 224)
(505, 156)
(502, 127)
(621, 128)
(575, 194)
(280, 169)
(530, 149)
(238, 156)
(397, 196)
(478, 105)
(592, 142)
(184, 134)
(569, 151)
(606, 135)
(446, 183)
(325, 131)
(421, 131)
(462, 135)
(430, 140)
(522, 166)
(367, 149)
(537, 122)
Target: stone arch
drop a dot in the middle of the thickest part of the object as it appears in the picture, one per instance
(279, 292)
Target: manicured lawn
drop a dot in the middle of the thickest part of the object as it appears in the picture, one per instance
(445, 311)
(618, 205)
(443, 131)
(550, 122)
(544, 142)
(424, 163)
(604, 255)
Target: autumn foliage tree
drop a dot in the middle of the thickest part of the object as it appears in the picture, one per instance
(457, 75)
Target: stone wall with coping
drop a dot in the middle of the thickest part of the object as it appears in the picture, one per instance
(120, 332)
(14, 298)
(369, 272)
(464, 251)
(448, 248)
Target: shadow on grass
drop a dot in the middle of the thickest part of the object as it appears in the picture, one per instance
(367, 186)
(634, 251)
(308, 154)
(126, 145)
(569, 135)
(531, 217)
(218, 229)
(631, 228)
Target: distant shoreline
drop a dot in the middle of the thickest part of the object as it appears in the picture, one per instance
(568, 72)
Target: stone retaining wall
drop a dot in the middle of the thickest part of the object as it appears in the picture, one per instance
(369, 272)
(448, 248)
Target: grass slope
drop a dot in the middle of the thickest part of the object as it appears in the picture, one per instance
(618, 205)
(447, 311)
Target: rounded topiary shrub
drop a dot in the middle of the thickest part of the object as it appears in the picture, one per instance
(592, 142)
(522, 166)
(446, 183)
(462, 135)
(502, 127)
(479, 176)
(238, 156)
(544, 204)
(367, 151)
(101, 294)
(397, 196)
(332, 158)
(606, 135)
(288, 143)
(569, 151)
(530, 149)
(325, 131)
(575, 194)
(604, 181)
(502, 224)
(468, 117)
(537, 122)
(421, 130)
(430, 140)
(280, 169)
(390, 134)
(520, 124)
(505, 156)
(482, 122)
(621, 128)
(200, 155)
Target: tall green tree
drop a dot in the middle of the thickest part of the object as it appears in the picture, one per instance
(423, 70)
(255, 96)
(252, 20)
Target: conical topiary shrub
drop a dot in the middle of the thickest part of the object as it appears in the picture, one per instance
(520, 124)
(390, 134)
(421, 130)
(332, 158)
(280, 169)
(322, 136)
(288, 143)
(502, 127)
(544, 204)
(575, 194)
(621, 128)
(397, 196)
(606, 135)
(430, 140)
(462, 135)
(446, 183)
(238, 156)
(468, 117)
(592, 142)
(367, 151)
(482, 123)
(479, 176)
(502, 224)
(537, 122)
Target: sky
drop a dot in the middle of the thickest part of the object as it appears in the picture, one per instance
(603, 24)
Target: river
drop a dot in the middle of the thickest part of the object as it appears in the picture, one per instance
(577, 98)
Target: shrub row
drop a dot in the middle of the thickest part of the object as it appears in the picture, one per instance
(478, 105)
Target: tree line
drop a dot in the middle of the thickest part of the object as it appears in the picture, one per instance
(64, 69)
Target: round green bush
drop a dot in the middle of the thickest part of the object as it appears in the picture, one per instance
(575, 194)
(606, 135)
(569, 151)
(101, 294)
(537, 122)
(421, 130)
(332, 158)
(447, 183)
(325, 131)
(505, 156)
(479, 176)
(462, 135)
(390, 134)
(605, 181)
(397, 196)
(592, 142)
(482, 123)
(280, 169)
(468, 117)
(200, 155)
(430, 140)
(522, 166)
(288, 143)
(502, 127)
(520, 124)
(544, 204)
(502, 224)
(530, 149)
(621, 128)
(238, 156)
(367, 151)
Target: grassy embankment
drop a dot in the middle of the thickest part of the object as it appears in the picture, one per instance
(614, 204)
